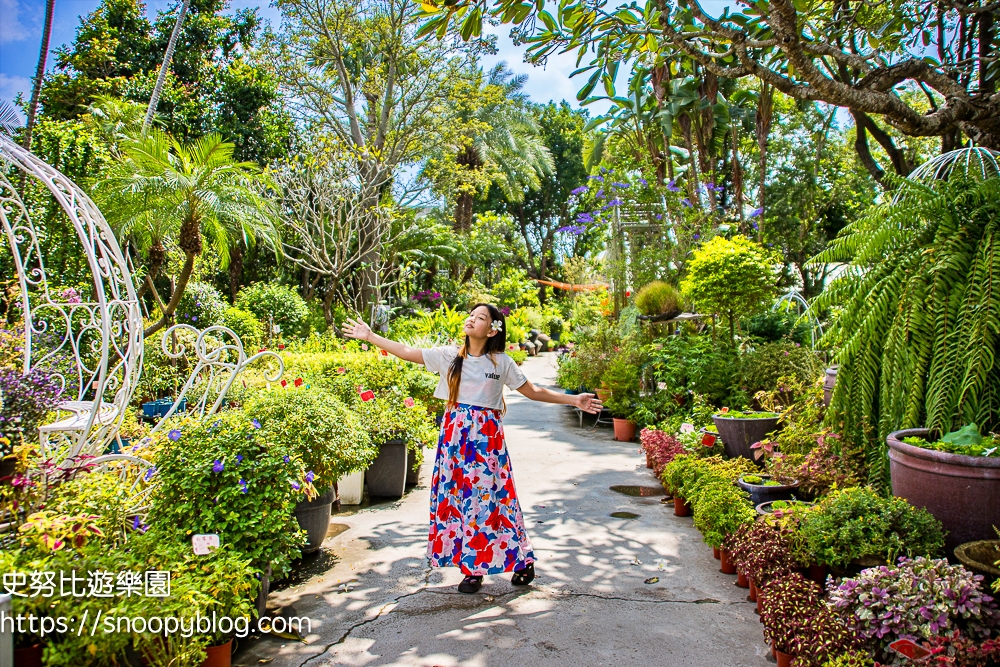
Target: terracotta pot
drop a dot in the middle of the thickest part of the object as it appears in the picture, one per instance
(649, 461)
(773, 654)
(962, 492)
(681, 508)
(741, 580)
(727, 564)
(759, 609)
(29, 656)
(753, 590)
(716, 553)
(602, 394)
(738, 434)
(818, 574)
(624, 430)
(784, 659)
(219, 656)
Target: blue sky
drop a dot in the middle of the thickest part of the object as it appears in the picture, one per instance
(21, 30)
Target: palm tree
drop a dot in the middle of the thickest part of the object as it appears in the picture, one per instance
(502, 136)
(160, 190)
(154, 100)
(36, 88)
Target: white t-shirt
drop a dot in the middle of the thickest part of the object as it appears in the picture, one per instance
(482, 379)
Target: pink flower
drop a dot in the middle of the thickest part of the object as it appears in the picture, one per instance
(409, 402)
(341, 370)
(364, 346)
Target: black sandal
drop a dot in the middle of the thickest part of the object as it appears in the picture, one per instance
(470, 584)
(523, 577)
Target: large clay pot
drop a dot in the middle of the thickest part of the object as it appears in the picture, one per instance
(759, 493)
(681, 508)
(741, 580)
(624, 430)
(386, 476)
(219, 656)
(602, 394)
(314, 518)
(981, 557)
(829, 382)
(962, 492)
(738, 434)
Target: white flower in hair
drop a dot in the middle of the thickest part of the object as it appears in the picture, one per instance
(496, 325)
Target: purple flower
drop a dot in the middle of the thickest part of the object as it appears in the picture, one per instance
(218, 466)
(584, 218)
(310, 476)
(620, 185)
(243, 485)
(135, 522)
(576, 230)
(600, 194)
(505, 310)
(672, 186)
(696, 236)
(174, 435)
(239, 459)
(256, 424)
(757, 211)
(287, 459)
(597, 178)
(643, 182)
(686, 202)
(296, 485)
(194, 319)
(149, 474)
(579, 191)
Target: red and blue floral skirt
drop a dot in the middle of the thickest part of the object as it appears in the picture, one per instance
(476, 520)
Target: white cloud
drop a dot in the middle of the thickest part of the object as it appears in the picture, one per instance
(10, 86)
(11, 27)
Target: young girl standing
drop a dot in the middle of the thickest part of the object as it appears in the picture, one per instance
(476, 520)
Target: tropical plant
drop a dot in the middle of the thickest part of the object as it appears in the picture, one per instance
(850, 525)
(903, 363)
(621, 379)
(160, 188)
(734, 278)
(918, 598)
(36, 87)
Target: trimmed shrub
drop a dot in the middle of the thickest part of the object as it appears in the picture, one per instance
(658, 298)
(201, 306)
(247, 327)
(273, 303)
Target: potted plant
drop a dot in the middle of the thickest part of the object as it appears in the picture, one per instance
(784, 605)
(915, 598)
(719, 510)
(660, 447)
(760, 554)
(859, 527)
(739, 430)
(326, 437)
(394, 424)
(621, 381)
(981, 557)
(764, 488)
(955, 476)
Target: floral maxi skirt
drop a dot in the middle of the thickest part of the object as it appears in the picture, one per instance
(476, 521)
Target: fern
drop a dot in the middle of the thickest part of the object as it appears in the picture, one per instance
(916, 314)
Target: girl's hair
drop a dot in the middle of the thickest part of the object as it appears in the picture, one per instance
(494, 345)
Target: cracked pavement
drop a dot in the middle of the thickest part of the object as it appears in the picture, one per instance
(373, 600)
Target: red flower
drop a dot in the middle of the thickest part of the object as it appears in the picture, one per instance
(284, 383)
(298, 382)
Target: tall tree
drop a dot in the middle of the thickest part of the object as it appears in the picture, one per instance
(161, 188)
(539, 213)
(36, 86)
(355, 71)
(154, 99)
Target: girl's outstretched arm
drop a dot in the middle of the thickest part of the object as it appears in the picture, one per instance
(586, 402)
(361, 331)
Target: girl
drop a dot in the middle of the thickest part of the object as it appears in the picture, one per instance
(476, 521)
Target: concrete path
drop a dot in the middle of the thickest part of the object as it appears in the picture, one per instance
(374, 601)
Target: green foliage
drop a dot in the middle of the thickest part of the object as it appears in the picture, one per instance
(732, 278)
(658, 298)
(720, 508)
(514, 289)
(224, 476)
(852, 659)
(851, 524)
(246, 325)
(328, 438)
(777, 325)
(201, 306)
(765, 365)
(518, 355)
(917, 325)
(692, 364)
(276, 304)
(621, 379)
(387, 418)
(966, 441)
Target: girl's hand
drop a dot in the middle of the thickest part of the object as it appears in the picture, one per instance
(588, 403)
(355, 329)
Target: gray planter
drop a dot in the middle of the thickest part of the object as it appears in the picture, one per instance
(386, 476)
(260, 606)
(412, 476)
(314, 518)
(739, 433)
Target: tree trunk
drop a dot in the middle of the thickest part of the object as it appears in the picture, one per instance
(154, 100)
(175, 298)
(235, 271)
(328, 297)
(463, 212)
(36, 88)
(765, 114)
